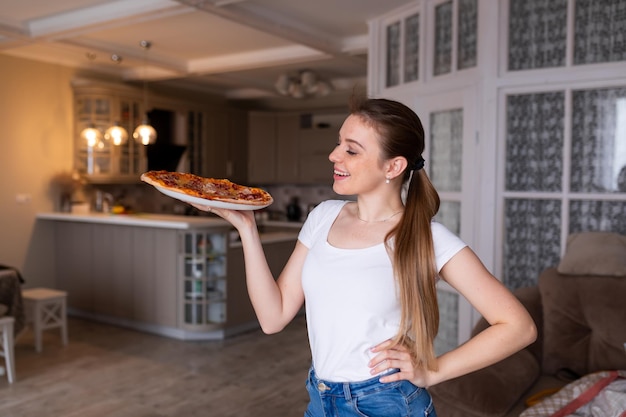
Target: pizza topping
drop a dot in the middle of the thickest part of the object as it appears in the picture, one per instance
(208, 188)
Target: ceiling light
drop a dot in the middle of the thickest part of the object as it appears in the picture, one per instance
(303, 84)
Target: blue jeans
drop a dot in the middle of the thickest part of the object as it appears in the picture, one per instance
(369, 398)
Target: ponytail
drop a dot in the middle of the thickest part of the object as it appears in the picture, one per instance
(415, 271)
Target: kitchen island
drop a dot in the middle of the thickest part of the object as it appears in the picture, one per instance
(177, 276)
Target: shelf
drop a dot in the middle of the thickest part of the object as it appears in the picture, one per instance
(203, 262)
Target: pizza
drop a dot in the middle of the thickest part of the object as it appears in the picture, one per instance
(212, 189)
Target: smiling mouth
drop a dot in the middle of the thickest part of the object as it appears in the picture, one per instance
(340, 173)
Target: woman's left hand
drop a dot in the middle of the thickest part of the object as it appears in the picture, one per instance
(387, 356)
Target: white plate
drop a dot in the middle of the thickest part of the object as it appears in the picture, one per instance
(211, 203)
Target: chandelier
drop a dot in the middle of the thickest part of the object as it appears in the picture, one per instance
(303, 84)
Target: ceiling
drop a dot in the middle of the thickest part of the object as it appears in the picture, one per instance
(234, 48)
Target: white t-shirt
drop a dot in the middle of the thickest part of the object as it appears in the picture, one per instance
(351, 300)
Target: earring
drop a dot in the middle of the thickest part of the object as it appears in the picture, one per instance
(387, 180)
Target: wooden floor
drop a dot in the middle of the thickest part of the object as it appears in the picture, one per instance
(115, 372)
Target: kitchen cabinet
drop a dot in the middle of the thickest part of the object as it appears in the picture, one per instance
(118, 271)
(102, 107)
(120, 286)
(291, 147)
(224, 148)
(74, 263)
(277, 253)
(287, 133)
(113, 292)
(158, 273)
(272, 145)
(177, 276)
(262, 148)
(421, 43)
(316, 140)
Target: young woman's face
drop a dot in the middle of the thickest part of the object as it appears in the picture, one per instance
(356, 158)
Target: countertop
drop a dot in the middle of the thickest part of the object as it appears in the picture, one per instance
(270, 237)
(284, 231)
(166, 221)
(281, 224)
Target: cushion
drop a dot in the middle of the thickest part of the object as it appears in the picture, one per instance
(584, 318)
(474, 394)
(597, 394)
(594, 253)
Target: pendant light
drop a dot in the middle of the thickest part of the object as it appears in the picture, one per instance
(91, 135)
(116, 134)
(144, 133)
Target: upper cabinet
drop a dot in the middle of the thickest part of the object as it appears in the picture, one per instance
(292, 148)
(422, 44)
(262, 145)
(103, 161)
(217, 143)
(205, 139)
(317, 137)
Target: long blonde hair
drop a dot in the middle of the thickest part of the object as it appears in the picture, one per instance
(411, 241)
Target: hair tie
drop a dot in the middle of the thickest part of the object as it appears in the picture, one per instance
(419, 164)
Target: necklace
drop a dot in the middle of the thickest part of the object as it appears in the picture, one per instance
(377, 221)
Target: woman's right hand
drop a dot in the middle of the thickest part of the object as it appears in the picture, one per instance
(242, 220)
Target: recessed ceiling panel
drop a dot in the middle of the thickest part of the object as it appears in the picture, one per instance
(189, 36)
(24, 10)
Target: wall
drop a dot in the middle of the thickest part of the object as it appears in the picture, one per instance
(36, 120)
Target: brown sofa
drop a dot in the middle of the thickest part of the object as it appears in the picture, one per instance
(581, 323)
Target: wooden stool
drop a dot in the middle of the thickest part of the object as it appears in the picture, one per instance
(46, 309)
(6, 328)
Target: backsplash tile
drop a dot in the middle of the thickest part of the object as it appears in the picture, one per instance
(308, 196)
(146, 199)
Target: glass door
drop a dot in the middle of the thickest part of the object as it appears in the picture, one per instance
(561, 130)
(563, 172)
(93, 111)
(450, 134)
(203, 264)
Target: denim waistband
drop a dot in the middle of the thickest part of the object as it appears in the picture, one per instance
(352, 389)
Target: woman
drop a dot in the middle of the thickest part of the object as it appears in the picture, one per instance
(368, 269)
